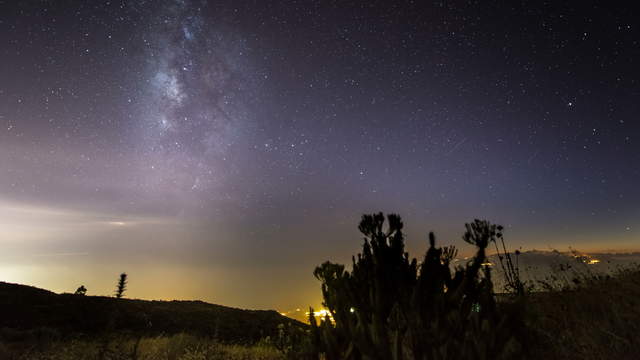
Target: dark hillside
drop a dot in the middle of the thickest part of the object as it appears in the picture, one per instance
(24, 308)
(598, 319)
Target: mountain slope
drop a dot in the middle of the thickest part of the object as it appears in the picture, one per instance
(27, 308)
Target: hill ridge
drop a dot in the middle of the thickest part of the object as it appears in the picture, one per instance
(24, 308)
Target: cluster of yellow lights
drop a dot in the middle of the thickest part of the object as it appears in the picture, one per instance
(320, 314)
(291, 312)
(587, 259)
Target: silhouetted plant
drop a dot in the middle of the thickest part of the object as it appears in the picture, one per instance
(513, 283)
(391, 307)
(122, 285)
(292, 341)
(81, 290)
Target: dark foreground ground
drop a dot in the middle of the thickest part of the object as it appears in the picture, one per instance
(39, 324)
(596, 318)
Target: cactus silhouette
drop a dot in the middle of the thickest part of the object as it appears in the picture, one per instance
(122, 285)
(390, 307)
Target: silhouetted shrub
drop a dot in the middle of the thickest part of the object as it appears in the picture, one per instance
(390, 307)
(81, 290)
(291, 340)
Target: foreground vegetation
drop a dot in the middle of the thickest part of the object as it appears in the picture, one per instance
(174, 347)
(387, 306)
(597, 317)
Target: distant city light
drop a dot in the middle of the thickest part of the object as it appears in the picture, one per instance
(586, 259)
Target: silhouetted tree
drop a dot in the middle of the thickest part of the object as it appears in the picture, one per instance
(122, 285)
(389, 307)
(81, 290)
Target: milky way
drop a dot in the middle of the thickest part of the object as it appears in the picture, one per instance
(237, 143)
(192, 111)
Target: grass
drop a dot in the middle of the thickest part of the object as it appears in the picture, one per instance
(596, 318)
(175, 347)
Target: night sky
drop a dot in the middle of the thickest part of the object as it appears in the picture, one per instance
(220, 150)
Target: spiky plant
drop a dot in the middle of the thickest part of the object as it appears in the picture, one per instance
(122, 286)
(389, 307)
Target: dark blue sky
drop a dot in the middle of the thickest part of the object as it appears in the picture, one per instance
(222, 149)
